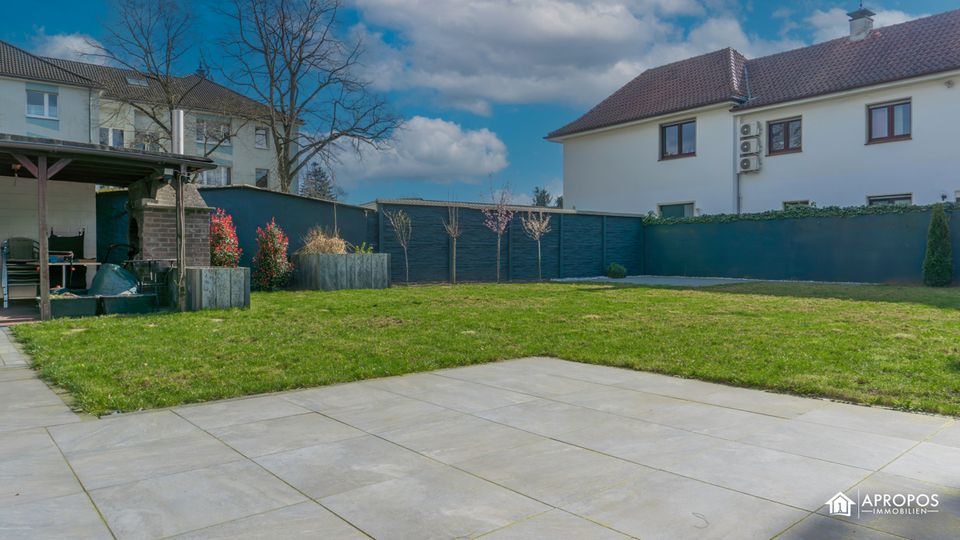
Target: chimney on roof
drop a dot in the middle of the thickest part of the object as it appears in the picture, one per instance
(861, 23)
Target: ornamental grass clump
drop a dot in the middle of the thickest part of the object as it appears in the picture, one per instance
(938, 262)
(224, 247)
(318, 241)
(271, 267)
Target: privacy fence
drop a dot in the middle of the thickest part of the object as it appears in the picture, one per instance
(884, 247)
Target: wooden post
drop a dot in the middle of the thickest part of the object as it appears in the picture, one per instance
(44, 243)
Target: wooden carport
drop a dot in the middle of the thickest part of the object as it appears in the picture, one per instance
(65, 161)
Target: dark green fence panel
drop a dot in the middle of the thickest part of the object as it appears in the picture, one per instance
(624, 243)
(112, 223)
(582, 245)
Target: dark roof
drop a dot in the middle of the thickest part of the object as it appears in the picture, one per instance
(696, 82)
(18, 63)
(198, 93)
(912, 49)
(94, 163)
(891, 53)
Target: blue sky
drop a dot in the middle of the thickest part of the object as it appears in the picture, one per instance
(480, 82)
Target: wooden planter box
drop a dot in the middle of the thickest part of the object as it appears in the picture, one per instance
(332, 272)
(210, 287)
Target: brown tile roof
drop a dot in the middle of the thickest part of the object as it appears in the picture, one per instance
(702, 80)
(19, 64)
(911, 49)
(199, 93)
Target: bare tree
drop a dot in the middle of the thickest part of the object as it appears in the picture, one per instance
(403, 229)
(291, 56)
(151, 39)
(498, 218)
(452, 227)
(536, 225)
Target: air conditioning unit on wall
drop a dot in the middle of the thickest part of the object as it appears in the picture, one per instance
(748, 164)
(750, 129)
(750, 146)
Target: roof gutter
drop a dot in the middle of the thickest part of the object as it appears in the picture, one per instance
(658, 118)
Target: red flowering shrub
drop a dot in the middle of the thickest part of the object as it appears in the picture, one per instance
(271, 267)
(224, 247)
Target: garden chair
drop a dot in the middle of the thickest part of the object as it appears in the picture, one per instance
(19, 265)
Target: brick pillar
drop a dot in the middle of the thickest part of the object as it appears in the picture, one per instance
(153, 222)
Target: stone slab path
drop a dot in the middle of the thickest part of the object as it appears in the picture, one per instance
(531, 448)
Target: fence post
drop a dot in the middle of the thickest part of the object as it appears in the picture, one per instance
(560, 247)
(380, 247)
(603, 244)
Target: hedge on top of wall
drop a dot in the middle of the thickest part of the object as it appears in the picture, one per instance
(798, 212)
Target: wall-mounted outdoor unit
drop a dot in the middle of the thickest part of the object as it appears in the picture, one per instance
(748, 164)
(750, 129)
(749, 146)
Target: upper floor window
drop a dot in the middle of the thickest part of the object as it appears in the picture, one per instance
(146, 140)
(42, 104)
(260, 137)
(111, 137)
(678, 140)
(890, 200)
(889, 121)
(262, 177)
(784, 136)
(213, 132)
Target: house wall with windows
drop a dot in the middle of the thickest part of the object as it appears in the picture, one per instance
(837, 165)
(621, 169)
(68, 118)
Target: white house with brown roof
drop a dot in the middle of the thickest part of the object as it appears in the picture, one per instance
(865, 119)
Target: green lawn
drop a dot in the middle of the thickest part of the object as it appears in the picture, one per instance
(896, 346)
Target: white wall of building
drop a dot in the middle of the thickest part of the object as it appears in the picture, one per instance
(73, 106)
(620, 170)
(838, 168)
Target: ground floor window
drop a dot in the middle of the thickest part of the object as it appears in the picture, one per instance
(795, 204)
(217, 177)
(676, 210)
(890, 200)
(263, 178)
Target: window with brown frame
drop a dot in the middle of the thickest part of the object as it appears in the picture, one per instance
(888, 122)
(678, 140)
(784, 136)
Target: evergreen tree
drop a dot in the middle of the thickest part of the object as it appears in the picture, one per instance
(938, 262)
(559, 202)
(318, 184)
(541, 197)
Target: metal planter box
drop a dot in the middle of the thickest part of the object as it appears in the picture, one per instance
(73, 306)
(332, 272)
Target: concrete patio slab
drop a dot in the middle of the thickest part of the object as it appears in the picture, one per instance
(530, 448)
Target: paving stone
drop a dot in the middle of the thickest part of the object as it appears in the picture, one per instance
(553, 472)
(948, 436)
(31, 417)
(548, 418)
(26, 393)
(121, 430)
(240, 411)
(943, 524)
(929, 462)
(700, 417)
(593, 373)
(331, 468)
(845, 446)
(304, 520)
(68, 517)
(824, 528)
(441, 503)
(392, 413)
(514, 378)
(555, 524)
(452, 440)
(759, 401)
(16, 374)
(338, 396)
(32, 468)
(451, 393)
(287, 433)
(666, 385)
(876, 420)
(122, 464)
(777, 476)
(182, 502)
(664, 505)
(619, 401)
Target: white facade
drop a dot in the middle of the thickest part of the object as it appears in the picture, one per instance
(619, 169)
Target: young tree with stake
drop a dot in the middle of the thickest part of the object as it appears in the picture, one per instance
(403, 229)
(452, 227)
(497, 219)
(536, 225)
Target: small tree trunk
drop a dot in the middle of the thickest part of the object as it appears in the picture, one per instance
(539, 268)
(453, 263)
(406, 265)
(498, 258)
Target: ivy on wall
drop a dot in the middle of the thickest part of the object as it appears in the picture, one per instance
(798, 212)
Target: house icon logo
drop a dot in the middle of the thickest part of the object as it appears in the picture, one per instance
(840, 505)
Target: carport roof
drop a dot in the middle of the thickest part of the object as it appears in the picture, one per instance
(94, 163)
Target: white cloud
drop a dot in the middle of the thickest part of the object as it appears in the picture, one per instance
(430, 149)
(81, 47)
(834, 23)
